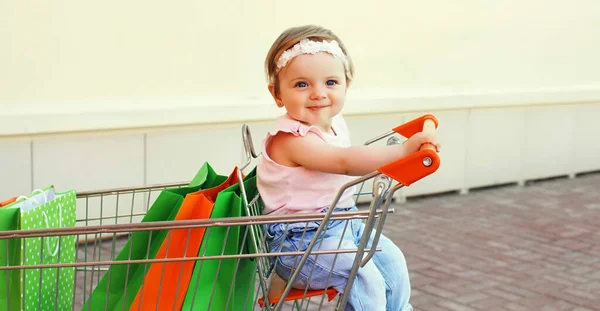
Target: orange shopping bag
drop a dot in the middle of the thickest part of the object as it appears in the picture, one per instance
(166, 284)
(9, 201)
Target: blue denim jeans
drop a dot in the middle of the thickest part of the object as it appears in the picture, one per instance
(382, 284)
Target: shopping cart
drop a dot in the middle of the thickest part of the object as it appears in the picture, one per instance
(104, 231)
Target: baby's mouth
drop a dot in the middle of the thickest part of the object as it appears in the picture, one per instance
(316, 108)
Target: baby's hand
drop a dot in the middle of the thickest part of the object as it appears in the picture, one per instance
(414, 143)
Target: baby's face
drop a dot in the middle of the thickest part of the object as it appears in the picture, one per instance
(312, 88)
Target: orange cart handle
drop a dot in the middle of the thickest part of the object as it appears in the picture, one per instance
(424, 123)
(419, 164)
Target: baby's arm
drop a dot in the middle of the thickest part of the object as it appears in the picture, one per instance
(313, 153)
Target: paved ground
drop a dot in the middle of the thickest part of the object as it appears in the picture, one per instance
(509, 248)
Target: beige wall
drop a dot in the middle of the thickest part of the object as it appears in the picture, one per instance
(120, 61)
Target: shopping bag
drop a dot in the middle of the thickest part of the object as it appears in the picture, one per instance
(227, 284)
(166, 284)
(118, 287)
(10, 255)
(7, 202)
(47, 288)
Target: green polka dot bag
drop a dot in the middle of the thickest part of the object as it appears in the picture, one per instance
(47, 288)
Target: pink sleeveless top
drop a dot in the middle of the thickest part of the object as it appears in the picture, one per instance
(288, 190)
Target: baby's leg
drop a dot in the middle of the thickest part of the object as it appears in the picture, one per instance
(392, 265)
(368, 291)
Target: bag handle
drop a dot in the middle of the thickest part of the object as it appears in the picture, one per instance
(34, 199)
(33, 192)
(48, 248)
(43, 193)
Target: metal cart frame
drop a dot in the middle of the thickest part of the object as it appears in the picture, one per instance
(101, 234)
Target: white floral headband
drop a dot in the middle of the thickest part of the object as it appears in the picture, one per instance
(306, 46)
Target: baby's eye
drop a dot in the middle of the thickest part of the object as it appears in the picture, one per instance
(331, 82)
(301, 84)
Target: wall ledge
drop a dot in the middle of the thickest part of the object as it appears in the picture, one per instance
(20, 119)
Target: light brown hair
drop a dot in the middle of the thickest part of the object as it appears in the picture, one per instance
(289, 37)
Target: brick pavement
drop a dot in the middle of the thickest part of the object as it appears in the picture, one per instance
(508, 248)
